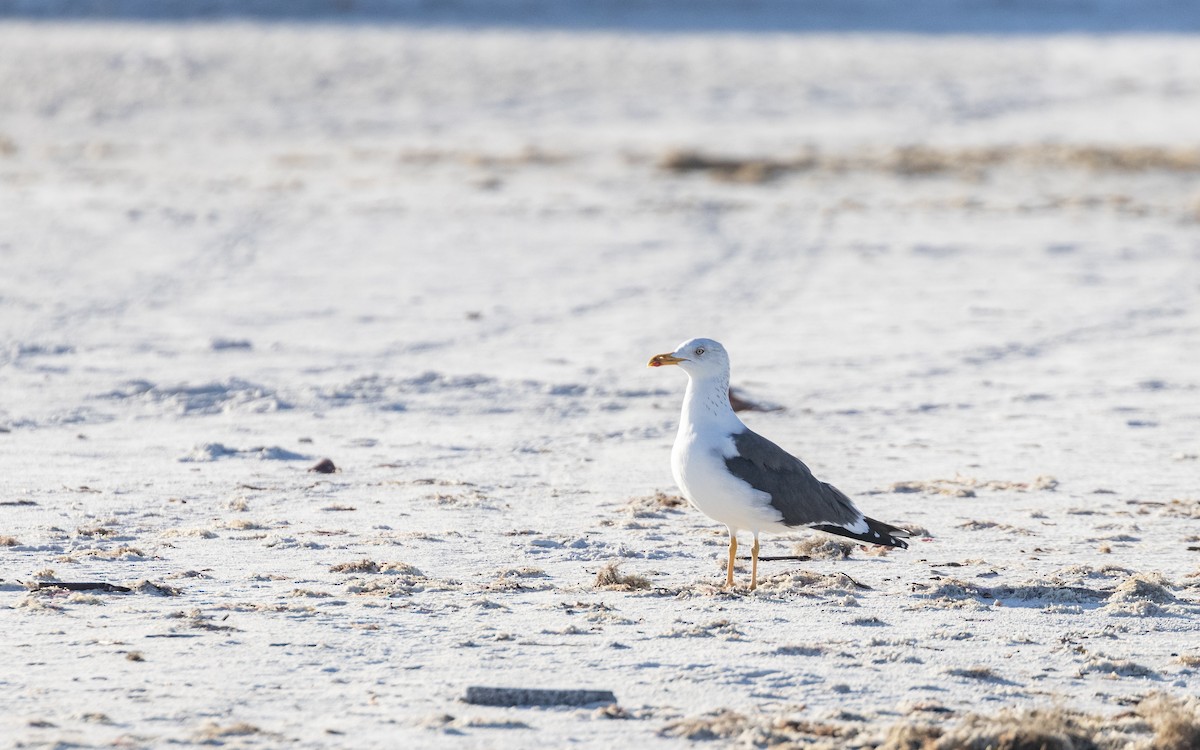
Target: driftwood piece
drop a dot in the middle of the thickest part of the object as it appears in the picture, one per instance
(502, 696)
(81, 586)
(776, 558)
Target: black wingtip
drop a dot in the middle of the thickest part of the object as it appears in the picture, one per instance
(877, 532)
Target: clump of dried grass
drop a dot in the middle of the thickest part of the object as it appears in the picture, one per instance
(9, 541)
(782, 730)
(981, 525)
(1176, 721)
(721, 725)
(800, 650)
(936, 487)
(1101, 664)
(809, 583)
(823, 548)
(211, 732)
(94, 531)
(610, 577)
(1058, 588)
(405, 581)
(1078, 573)
(1063, 609)
(153, 588)
(984, 674)
(1053, 729)
(367, 565)
(723, 629)
(1142, 595)
(952, 593)
(1159, 722)
(1144, 586)
(950, 588)
(197, 620)
(519, 579)
(199, 533)
(726, 168)
(399, 568)
(618, 712)
(311, 594)
(522, 572)
(364, 565)
(653, 506)
(243, 524)
(924, 160)
(527, 156)
(124, 553)
(38, 601)
(911, 737)
(1179, 508)
(1036, 729)
(966, 486)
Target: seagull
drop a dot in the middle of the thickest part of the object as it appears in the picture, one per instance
(737, 477)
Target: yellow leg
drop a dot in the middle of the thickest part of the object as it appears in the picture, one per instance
(732, 557)
(754, 564)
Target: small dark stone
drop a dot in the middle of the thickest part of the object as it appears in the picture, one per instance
(324, 466)
(221, 344)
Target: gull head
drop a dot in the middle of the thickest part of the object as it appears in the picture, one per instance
(699, 358)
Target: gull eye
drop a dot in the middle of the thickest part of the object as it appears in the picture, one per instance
(699, 351)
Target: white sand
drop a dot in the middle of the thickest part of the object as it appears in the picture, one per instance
(441, 258)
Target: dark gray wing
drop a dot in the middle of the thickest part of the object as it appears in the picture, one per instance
(795, 492)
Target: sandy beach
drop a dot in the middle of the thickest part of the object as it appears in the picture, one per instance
(959, 270)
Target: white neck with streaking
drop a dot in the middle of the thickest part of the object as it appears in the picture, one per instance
(706, 406)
